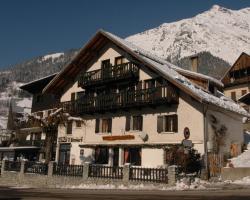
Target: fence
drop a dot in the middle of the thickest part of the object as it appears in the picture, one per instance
(101, 171)
(148, 174)
(67, 170)
(215, 164)
(36, 168)
(12, 166)
(87, 173)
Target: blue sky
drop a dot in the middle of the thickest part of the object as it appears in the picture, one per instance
(31, 28)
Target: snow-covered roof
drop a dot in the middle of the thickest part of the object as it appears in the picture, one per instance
(165, 69)
(171, 71)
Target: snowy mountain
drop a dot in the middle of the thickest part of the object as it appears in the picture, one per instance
(223, 32)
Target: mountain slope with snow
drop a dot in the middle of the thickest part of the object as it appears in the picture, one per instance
(223, 32)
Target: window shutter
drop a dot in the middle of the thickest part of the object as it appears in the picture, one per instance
(175, 123)
(109, 125)
(97, 125)
(140, 122)
(160, 124)
(127, 128)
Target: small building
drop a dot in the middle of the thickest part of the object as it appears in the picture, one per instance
(32, 134)
(135, 105)
(237, 83)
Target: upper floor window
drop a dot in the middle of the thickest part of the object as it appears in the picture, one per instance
(69, 127)
(73, 96)
(233, 96)
(78, 124)
(134, 123)
(103, 125)
(167, 123)
(243, 92)
(119, 60)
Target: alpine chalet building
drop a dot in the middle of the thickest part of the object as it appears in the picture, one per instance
(134, 106)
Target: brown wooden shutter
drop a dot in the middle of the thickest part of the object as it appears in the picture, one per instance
(167, 127)
(97, 125)
(160, 124)
(109, 125)
(127, 128)
(175, 118)
(140, 121)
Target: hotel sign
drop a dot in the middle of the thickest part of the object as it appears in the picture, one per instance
(69, 139)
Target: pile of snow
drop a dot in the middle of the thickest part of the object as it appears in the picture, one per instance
(216, 31)
(3, 122)
(183, 184)
(52, 56)
(243, 160)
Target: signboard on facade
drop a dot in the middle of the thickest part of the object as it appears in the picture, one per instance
(69, 139)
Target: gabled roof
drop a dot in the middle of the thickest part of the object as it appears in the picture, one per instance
(36, 86)
(245, 98)
(230, 68)
(167, 70)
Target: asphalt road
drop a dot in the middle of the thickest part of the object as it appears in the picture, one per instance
(39, 194)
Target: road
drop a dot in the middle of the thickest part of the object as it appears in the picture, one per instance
(40, 194)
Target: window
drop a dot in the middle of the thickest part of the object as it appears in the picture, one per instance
(243, 92)
(103, 125)
(78, 124)
(167, 123)
(133, 156)
(134, 123)
(101, 155)
(233, 96)
(38, 98)
(73, 96)
(119, 60)
(69, 127)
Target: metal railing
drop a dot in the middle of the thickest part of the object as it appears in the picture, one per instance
(157, 175)
(36, 168)
(102, 171)
(68, 170)
(12, 166)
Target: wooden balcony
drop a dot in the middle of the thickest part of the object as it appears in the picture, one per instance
(109, 102)
(111, 73)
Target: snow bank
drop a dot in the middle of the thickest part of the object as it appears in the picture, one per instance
(184, 184)
(243, 160)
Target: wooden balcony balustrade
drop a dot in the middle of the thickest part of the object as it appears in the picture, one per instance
(125, 99)
(108, 74)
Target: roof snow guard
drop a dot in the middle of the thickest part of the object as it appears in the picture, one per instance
(167, 70)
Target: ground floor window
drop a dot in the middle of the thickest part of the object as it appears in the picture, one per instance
(132, 155)
(101, 155)
(64, 153)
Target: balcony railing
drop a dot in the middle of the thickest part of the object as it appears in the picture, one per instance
(125, 99)
(36, 143)
(111, 73)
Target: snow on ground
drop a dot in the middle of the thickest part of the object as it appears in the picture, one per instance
(184, 184)
(3, 122)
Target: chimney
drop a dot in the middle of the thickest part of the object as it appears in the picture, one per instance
(194, 63)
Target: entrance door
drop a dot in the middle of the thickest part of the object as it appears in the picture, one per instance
(64, 154)
(116, 157)
(106, 70)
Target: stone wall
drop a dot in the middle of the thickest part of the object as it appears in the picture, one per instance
(235, 173)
